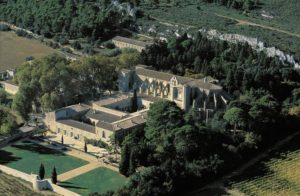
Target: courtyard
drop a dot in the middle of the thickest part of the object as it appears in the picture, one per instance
(26, 156)
(76, 172)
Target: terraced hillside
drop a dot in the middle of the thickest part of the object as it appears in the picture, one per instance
(278, 174)
(11, 186)
(275, 22)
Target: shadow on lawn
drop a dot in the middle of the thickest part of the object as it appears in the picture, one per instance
(70, 185)
(7, 157)
(26, 145)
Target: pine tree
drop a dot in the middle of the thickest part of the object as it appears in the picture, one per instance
(230, 81)
(54, 176)
(42, 171)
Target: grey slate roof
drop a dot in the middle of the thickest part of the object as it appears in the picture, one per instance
(198, 83)
(161, 75)
(79, 125)
(102, 116)
(130, 41)
(203, 85)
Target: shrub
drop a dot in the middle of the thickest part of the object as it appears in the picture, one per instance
(88, 49)
(76, 45)
(97, 143)
(29, 58)
(109, 45)
(112, 53)
(4, 27)
(66, 49)
(23, 33)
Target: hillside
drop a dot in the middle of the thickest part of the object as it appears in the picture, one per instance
(275, 22)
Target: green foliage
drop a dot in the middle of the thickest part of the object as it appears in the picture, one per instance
(98, 143)
(52, 82)
(75, 19)
(85, 147)
(169, 151)
(42, 171)
(54, 176)
(4, 27)
(134, 102)
(3, 96)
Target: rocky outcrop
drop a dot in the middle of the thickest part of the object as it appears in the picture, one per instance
(254, 43)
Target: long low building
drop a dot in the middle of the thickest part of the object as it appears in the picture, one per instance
(9, 87)
(99, 120)
(124, 42)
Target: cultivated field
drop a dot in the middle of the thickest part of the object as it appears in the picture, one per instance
(279, 174)
(15, 49)
(11, 186)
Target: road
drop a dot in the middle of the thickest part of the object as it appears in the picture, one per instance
(245, 22)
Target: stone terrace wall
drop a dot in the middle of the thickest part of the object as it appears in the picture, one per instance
(40, 183)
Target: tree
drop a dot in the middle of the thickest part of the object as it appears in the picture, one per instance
(54, 176)
(125, 159)
(85, 147)
(3, 96)
(162, 117)
(134, 102)
(42, 171)
(235, 116)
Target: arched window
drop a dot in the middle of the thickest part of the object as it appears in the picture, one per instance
(103, 134)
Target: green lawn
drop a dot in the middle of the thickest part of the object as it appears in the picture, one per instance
(97, 180)
(27, 157)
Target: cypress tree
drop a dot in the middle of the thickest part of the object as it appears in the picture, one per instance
(125, 158)
(42, 171)
(85, 147)
(54, 176)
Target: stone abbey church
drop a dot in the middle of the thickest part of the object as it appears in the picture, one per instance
(111, 115)
(203, 94)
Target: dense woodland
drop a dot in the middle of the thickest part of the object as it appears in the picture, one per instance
(8, 124)
(71, 18)
(176, 151)
(53, 82)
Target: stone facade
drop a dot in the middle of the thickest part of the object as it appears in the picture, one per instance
(9, 87)
(111, 115)
(203, 93)
(123, 42)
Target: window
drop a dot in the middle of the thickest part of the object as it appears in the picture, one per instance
(175, 93)
(58, 130)
(103, 134)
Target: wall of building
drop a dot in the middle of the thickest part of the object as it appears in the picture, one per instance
(127, 45)
(74, 132)
(10, 88)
